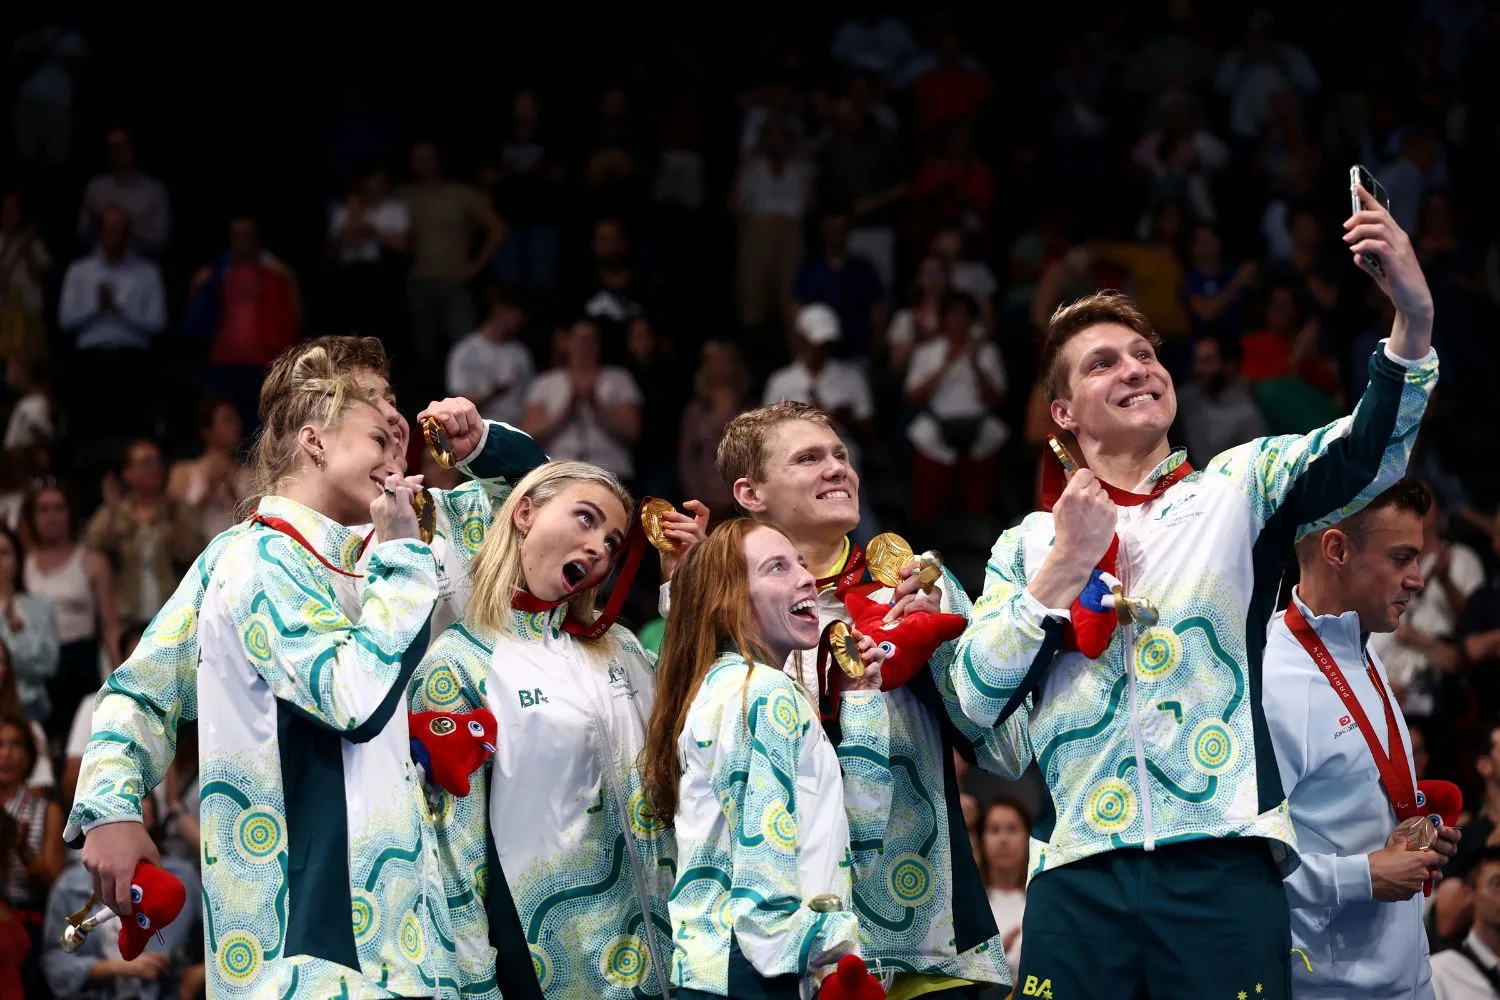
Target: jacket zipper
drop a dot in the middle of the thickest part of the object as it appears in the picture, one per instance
(1143, 777)
(607, 774)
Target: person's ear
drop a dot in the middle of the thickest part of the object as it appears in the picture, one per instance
(310, 441)
(524, 516)
(747, 495)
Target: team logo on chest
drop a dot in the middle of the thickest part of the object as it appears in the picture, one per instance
(619, 682)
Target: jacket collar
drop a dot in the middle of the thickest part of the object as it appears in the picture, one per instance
(1340, 633)
(340, 545)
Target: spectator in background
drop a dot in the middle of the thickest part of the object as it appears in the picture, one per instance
(145, 534)
(1215, 411)
(143, 198)
(24, 267)
(445, 218)
(80, 584)
(45, 59)
(650, 360)
(950, 85)
(42, 780)
(968, 271)
(1215, 299)
(38, 856)
(28, 628)
(112, 307)
(210, 488)
(770, 195)
(489, 366)
(584, 410)
(845, 283)
(97, 971)
(722, 393)
(31, 425)
(1004, 842)
(181, 834)
(248, 303)
(1296, 388)
(1471, 970)
(528, 182)
(369, 235)
(923, 319)
(1421, 167)
(874, 40)
(957, 382)
(1249, 75)
(952, 189)
(860, 166)
(1156, 277)
(616, 291)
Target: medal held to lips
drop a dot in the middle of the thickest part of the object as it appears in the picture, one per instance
(652, 513)
(439, 444)
(1420, 832)
(845, 649)
(426, 511)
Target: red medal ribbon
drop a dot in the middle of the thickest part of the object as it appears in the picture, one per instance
(1054, 481)
(634, 548)
(1395, 771)
(286, 528)
(852, 573)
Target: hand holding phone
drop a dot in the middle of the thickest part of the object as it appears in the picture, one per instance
(1360, 177)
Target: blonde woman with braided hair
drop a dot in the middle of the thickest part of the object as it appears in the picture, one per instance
(552, 857)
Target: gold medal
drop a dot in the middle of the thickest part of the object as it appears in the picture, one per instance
(825, 902)
(930, 569)
(1420, 833)
(426, 511)
(439, 444)
(885, 556)
(845, 649)
(1134, 610)
(1069, 464)
(652, 512)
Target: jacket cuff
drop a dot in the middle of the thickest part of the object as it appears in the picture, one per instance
(1351, 876)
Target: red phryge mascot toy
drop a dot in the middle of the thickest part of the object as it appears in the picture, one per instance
(450, 746)
(157, 897)
(851, 981)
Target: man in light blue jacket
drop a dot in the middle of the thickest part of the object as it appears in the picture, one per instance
(1345, 760)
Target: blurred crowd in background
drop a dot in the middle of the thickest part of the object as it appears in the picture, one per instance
(619, 233)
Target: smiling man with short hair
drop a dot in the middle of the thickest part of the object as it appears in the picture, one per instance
(1157, 864)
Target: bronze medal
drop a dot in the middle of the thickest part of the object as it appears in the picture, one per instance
(652, 512)
(845, 649)
(1069, 463)
(426, 511)
(1420, 833)
(439, 444)
(885, 557)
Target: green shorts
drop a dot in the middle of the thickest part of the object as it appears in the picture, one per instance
(1200, 920)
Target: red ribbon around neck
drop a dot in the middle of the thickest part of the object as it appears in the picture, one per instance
(1055, 480)
(1395, 771)
(634, 548)
(286, 528)
(852, 573)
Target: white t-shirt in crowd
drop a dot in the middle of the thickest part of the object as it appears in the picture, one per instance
(478, 365)
(763, 191)
(1008, 906)
(957, 397)
(30, 423)
(582, 438)
(1430, 613)
(390, 218)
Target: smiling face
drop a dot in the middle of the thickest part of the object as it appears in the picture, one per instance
(783, 593)
(569, 543)
(810, 489)
(1119, 394)
(356, 461)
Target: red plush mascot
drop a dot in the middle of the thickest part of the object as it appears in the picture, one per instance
(851, 981)
(451, 746)
(909, 642)
(157, 897)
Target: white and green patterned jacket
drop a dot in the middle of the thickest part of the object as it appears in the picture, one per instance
(577, 905)
(922, 906)
(1164, 738)
(766, 821)
(143, 703)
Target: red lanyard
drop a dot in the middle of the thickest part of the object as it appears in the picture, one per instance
(285, 527)
(635, 548)
(1054, 481)
(852, 573)
(1395, 772)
